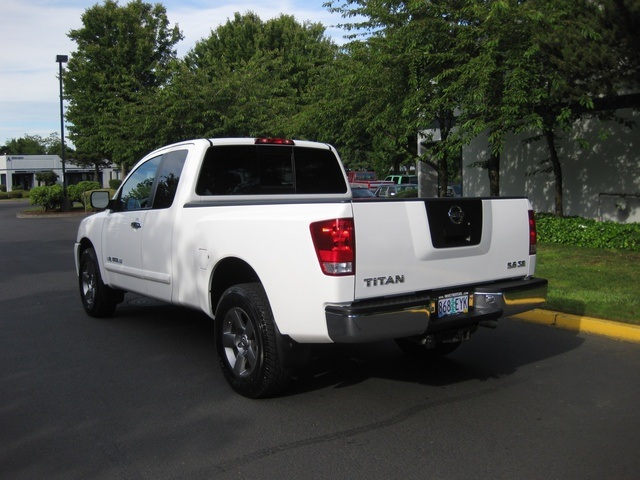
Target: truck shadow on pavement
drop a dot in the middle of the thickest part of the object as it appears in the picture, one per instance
(489, 355)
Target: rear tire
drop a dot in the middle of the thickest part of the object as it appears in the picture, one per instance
(97, 298)
(249, 345)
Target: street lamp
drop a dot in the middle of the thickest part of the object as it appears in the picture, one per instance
(65, 201)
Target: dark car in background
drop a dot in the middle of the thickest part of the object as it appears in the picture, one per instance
(408, 190)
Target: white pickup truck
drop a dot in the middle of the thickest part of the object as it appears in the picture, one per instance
(264, 236)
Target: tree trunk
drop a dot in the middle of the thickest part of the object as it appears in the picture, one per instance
(443, 175)
(557, 170)
(446, 122)
(443, 170)
(493, 169)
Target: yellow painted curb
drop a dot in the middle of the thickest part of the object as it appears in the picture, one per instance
(577, 323)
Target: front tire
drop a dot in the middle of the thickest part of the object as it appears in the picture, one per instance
(97, 298)
(249, 345)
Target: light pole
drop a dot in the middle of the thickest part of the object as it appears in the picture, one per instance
(65, 200)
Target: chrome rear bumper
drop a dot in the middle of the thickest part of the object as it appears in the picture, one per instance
(389, 318)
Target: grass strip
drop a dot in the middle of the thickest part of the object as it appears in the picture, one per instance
(591, 282)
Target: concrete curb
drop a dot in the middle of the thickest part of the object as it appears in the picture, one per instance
(577, 323)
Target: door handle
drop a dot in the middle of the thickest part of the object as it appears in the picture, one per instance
(136, 225)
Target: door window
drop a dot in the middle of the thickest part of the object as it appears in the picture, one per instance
(168, 178)
(137, 189)
(153, 184)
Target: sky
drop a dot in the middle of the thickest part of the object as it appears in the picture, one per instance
(34, 32)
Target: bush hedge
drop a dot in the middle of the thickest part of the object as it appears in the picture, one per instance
(77, 192)
(48, 197)
(15, 194)
(583, 232)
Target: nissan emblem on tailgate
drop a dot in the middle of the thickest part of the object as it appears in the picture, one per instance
(456, 215)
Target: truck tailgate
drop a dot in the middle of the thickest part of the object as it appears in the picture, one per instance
(415, 245)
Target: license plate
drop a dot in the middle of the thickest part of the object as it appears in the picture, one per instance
(453, 304)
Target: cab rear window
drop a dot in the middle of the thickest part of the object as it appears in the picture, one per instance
(269, 170)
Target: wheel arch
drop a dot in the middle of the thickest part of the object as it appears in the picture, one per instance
(84, 243)
(228, 272)
(81, 246)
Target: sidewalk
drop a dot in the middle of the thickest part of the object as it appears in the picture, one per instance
(595, 326)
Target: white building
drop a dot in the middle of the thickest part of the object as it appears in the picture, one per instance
(600, 182)
(20, 171)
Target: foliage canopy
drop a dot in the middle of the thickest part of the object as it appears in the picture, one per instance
(124, 54)
(443, 72)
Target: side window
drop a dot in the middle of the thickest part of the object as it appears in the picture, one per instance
(168, 178)
(136, 190)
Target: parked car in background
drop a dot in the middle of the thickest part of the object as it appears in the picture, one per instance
(393, 190)
(365, 179)
(402, 179)
(454, 191)
(361, 176)
(362, 192)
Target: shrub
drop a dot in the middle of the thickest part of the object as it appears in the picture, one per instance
(114, 183)
(15, 193)
(583, 232)
(49, 197)
(76, 192)
(3, 195)
(3, 188)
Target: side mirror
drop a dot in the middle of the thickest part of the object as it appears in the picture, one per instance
(100, 199)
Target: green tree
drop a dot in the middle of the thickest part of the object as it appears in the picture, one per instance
(124, 55)
(415, 47)
(35, 145)
(621, 19)
(501, 67)
(48, 178)
(248, 77)
(27, 145)
(358, 106)
(567, 65)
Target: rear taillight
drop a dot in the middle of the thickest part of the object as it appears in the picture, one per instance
(533, 236)
(335, 244)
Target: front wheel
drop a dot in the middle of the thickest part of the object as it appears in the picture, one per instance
(249, 345)
(97, 298)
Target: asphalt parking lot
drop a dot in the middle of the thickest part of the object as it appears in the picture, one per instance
(140, 395)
